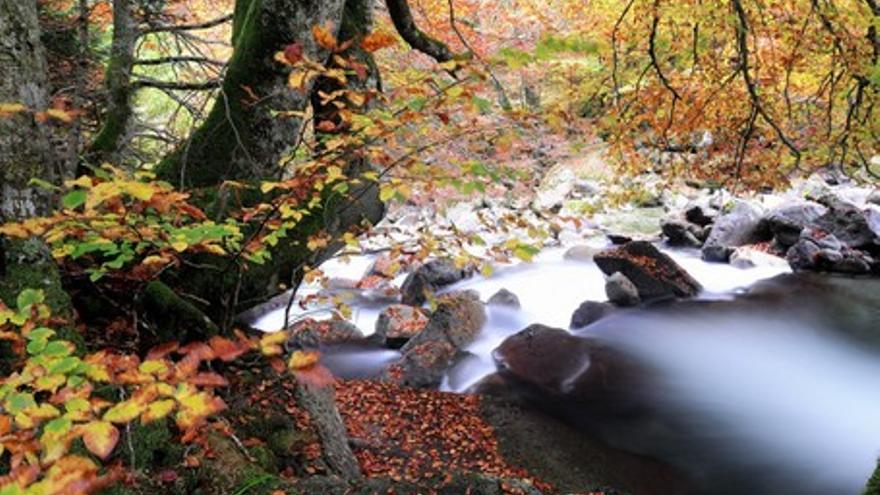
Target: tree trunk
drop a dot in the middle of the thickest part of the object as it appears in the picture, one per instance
(108, 141)
(243, 137)
(25, 147)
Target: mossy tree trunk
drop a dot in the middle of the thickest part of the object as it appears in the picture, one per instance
(243, 137)
(25, 145)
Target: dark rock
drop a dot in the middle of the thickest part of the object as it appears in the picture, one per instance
(504, 298)
(429, 277)
(621, 291)
(655, 275)
(399, 323)
(824, 252)
(848, 223)
(699, 216)
(589, 312)
(427, 356)
(737, 228)
(618, 239)
(310, 334)
(787, 222)
(680, 233)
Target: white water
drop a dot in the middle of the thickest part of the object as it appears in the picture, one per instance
(766, 394)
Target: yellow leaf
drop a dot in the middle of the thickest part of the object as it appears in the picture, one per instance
(303, 359)
(194, 408)
(58, 114)
(139, 190)
(266, 187)
(124, 412)
(297, 79)
(156, 367)
(7, 109)
(179, 246)
(100, 437)
(158, 410)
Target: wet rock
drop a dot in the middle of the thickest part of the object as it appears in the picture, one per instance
(749, 257)
(852, 226)
(874, 197)
(737, 228)
(621, 291)
(582, 253)
(311, 334)
(504, 298)
(383, 266)
(655, 275)
(787, 222)
(430, 277)
(619, 239)
(698, 215)
(680, 233)
(426, 357)
(589, 312)
(370, 290)
(819, 251)
(399, 323)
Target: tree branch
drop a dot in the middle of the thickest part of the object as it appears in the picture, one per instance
(187, 27)
(178, 86)
(179, 60)
(403, 21)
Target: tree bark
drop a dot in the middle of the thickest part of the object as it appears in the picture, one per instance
(25, 146)
(242, 137)
(108, 142)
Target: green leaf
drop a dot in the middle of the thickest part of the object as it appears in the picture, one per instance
(28, 297)
(58, 426)
(59, 348)
(74, 199)
(18, 402)
(65, 366)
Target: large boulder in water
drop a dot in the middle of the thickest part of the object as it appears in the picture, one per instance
(399, 323)
(736, 228)
(655, 275)
(429, 277)
(426, 357)
(855, 228)
(590, 312)
(786, 222)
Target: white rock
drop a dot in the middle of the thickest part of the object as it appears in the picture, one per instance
(747, 257)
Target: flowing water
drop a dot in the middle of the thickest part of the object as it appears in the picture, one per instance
(775, 394)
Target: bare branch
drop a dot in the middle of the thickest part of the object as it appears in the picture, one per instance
(187, 27)
(180, 60)
(178, 86)
(403, 21)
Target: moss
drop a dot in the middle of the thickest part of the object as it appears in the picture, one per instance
(176, 318)
(154, 446)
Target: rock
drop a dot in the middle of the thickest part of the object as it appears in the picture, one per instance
(874, 197)
(429, 277)
(399, 323)
(737, 228)
(370, 290)
(654, 274)
(582, 253)
(504, 298)
(383, 266)
(619, 239)
(697, 215)
(555, 187)
(621, 291)
(848, 223)
(749, 257)
(824, 252)
(680, 233)
(787, 222)
(589, 312)
(311, 334)
(427, 356)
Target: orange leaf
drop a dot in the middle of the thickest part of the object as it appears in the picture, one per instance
(208, 380)
(324, 37)
(378, 40)
(315, 376)
(100, 437)
(226, 349)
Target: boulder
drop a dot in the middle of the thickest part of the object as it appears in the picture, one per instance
(698, 215)
(426, 357)
(749, 257)
(786, 222)
(655, 275)
(681, 233)
(504, 298)
(399, 323)
(736, 228)
(430, 277)
(311, 334)
(621, 291)
(819, 251)
(849, 224)
(589, 312)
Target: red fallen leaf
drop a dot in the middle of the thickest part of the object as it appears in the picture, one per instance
(199, 350)
(316, 376)
(326, 126)
(206, 379)
(163, 350)
(293, 53)
(167, 476)
(228, 350)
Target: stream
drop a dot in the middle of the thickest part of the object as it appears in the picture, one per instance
(774, 391)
